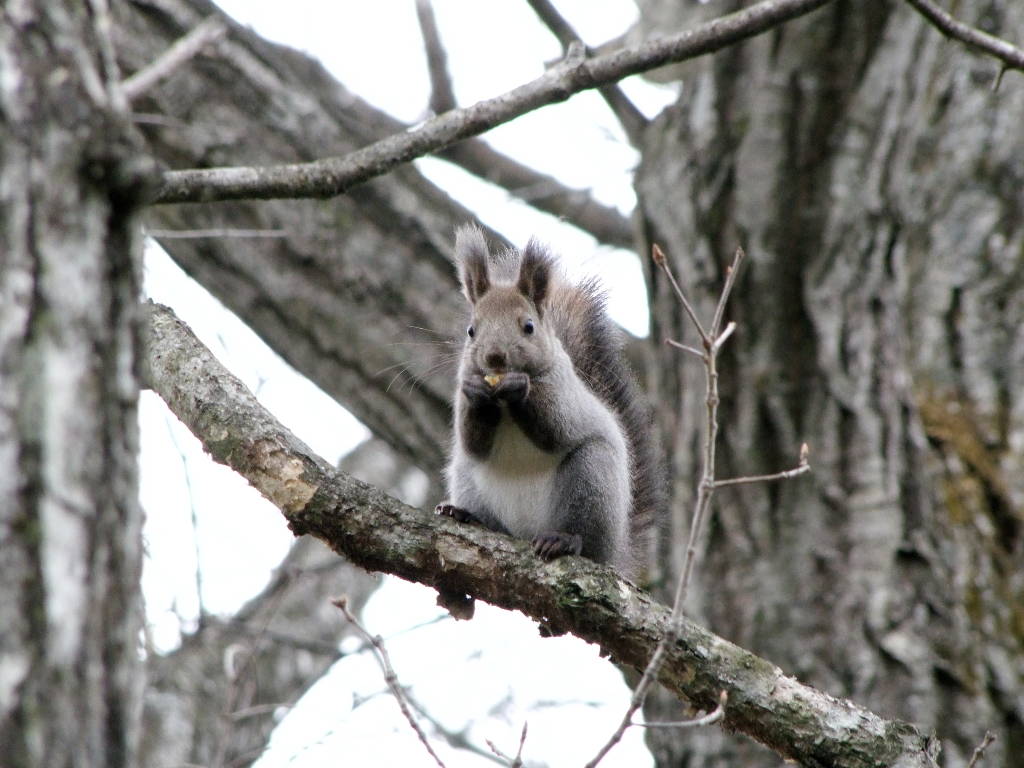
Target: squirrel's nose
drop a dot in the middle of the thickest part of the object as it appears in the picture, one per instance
(495, 360)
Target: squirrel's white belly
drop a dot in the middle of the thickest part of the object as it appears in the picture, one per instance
(517, 481)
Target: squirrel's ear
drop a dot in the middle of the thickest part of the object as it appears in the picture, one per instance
(535, 273)
(471, 256)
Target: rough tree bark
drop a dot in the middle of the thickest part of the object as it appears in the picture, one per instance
(876, 182)
(70, 524)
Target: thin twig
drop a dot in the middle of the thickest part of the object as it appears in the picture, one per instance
(180, 52)
(979, 751)
(218, 232)
(721, 338)
(705, 491)
(333, 176)
(454, 739)
(661, 261)
(442, 94)
(799, 469)
(513, 762)
(730, 280)
(1011, 56)
(685, 348)
(630, 118)
(711, 717)
(389, 674)
(194, 518)
(111, 72)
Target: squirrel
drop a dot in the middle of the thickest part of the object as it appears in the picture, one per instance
(552, 441)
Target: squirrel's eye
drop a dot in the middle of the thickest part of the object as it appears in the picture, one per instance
(471, 332)
(528, 327)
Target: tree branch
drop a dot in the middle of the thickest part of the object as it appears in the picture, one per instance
(442, 95)
(630, 118)
(543, 192)
(333, 176)
(1011, 56)
(181, 52)
(571, 594)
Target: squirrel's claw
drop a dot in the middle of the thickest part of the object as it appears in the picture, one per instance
(554, 544)
(456, 513)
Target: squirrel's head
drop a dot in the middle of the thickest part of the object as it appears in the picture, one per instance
(508, 293)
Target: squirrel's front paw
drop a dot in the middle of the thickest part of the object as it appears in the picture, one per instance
(455, 513)
(514, 387)
(554, 544)
(477, 391)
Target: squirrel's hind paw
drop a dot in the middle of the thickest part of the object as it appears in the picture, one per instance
(554, 544)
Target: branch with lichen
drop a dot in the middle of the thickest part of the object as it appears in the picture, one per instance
(571, 594)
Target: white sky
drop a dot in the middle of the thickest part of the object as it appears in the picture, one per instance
(494, 672)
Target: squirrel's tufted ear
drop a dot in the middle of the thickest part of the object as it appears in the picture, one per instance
(535, 273)
(471, 256)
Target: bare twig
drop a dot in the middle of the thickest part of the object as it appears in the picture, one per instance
(705, 490)
(179, 53)
(194, 517)
(659, 259)
(799, 469)
(979, 751)
(711, 717)
(111, 72)
(712, 342)
(513, 762)
(341, 603)
(442, 95)
(630, 118)
(454, 739)
(685, 348)
(1011, 56)
(730, 281)
(333, 176)
(217, 232)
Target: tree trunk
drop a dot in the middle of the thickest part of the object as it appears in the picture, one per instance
(70, 524)
(876, 183)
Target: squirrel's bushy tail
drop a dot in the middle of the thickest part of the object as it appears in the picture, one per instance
(595, 343)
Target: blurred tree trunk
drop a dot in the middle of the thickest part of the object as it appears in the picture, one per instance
(70, 524)
(877, 184)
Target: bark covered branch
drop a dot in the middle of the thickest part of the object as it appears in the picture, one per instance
(1010, 55)
(630, 118)
(333, 176)
(573, 594)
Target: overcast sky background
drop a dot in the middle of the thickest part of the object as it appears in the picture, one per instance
(490, 674)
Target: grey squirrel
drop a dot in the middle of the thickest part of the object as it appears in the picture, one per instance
(551, 440)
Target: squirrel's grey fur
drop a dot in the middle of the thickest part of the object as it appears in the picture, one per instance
(561, 450)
